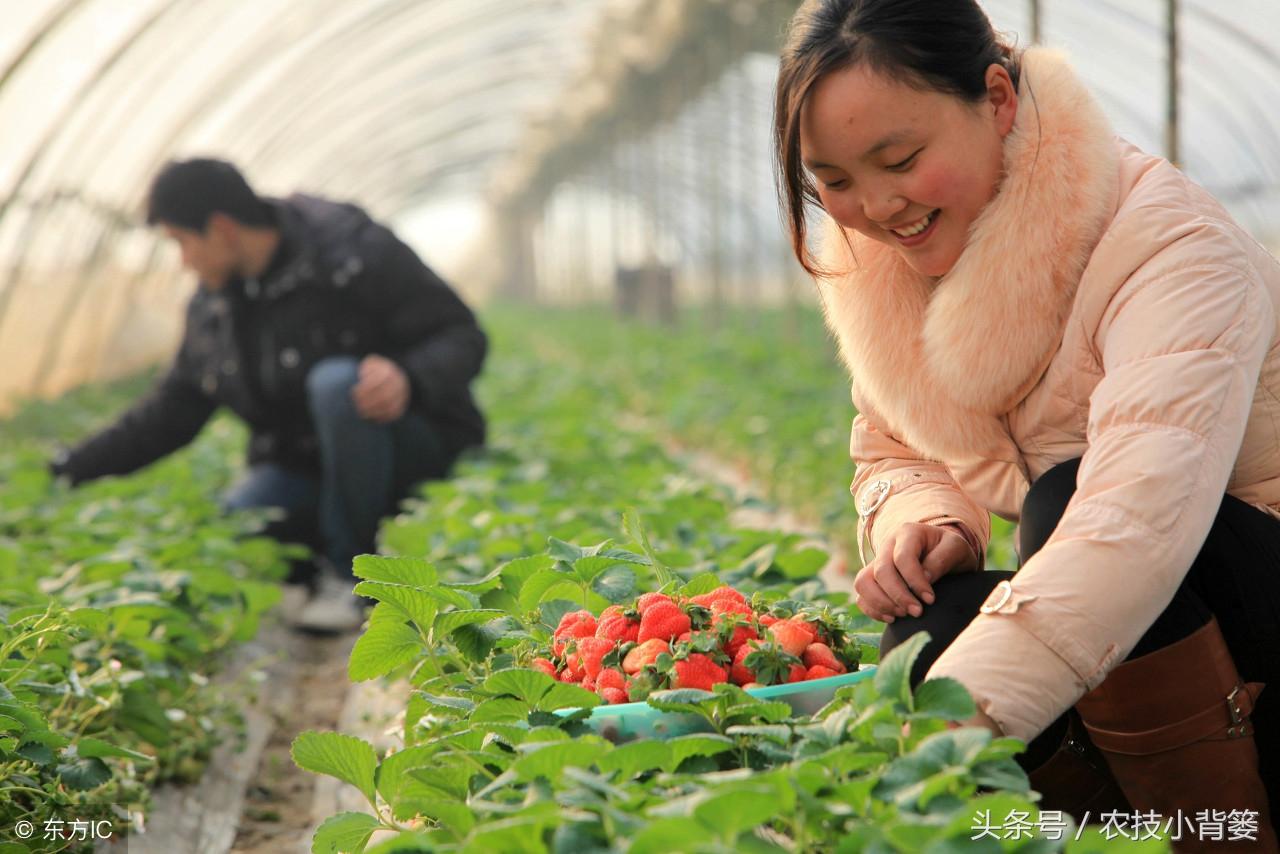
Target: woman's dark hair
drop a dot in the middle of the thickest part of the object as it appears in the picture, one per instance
(939, 45)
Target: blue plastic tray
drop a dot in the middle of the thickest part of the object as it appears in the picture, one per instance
(629, 721)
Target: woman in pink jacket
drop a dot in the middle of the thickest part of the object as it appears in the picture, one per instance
(1043, 322)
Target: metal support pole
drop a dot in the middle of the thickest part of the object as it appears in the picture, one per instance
(614, 178)
(1171, 146)
(711, 188)
(1037, 23)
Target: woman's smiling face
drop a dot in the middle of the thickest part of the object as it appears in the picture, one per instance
(909, 167)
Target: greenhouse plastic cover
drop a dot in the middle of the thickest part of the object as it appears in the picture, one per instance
(403, 104)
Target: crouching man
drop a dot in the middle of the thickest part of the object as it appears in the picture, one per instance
(348, 358)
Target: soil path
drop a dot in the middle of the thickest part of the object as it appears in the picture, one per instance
(278, 802)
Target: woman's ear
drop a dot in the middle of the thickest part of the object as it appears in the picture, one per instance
(1002, 97)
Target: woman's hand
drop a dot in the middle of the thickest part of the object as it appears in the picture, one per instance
(981, 719)
(901, 576)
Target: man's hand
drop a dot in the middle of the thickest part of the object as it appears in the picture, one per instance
(382, 392)
(911, 559)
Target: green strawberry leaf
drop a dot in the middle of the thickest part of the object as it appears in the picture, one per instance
(515, 573)
(477, 640)
(893, 675)
(83, 774)
(392, 773)
(499, 709)
(633, 526)
(93, 747)
(412, 603)
(685, 746)
(616, 585)
(387, 644)
(409, 571)
(570, 552)
(447, 622)
(526, 685)
(587, 568)
(632, 758)
(680, 700)
(344, 833)
(345, 757)
(758, 562)
(802, 564)
(945, 698)
(33, 751)
(532, 593)
(671, 834)
(740, 808)
(566, 696)
(550, 760)
(405, 843)
(701, 584)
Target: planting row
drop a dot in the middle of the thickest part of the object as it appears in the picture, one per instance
(507, 600)
(764, 389)
(116, 601)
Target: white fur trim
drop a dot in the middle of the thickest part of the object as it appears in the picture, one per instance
(940, 362)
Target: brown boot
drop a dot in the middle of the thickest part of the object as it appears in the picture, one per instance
(1174, 727)
(1076, 780)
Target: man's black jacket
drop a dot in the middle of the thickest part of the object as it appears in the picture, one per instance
(341, 284)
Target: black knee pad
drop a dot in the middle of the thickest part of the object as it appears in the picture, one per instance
(1044, 505)
(957, 599)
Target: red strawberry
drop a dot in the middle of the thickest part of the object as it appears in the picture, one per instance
(572, 672)
(575, 624)
(798, 673)
(545, 666)
(610, 678)
(592, 652)
(739, 672)
(663, 621)
(791, 636)
(820, 655)
(708, 600)
(731, 606)
(698, 671)
(741, 634)
(644, 654)
(613, 695)
(767, 620)
(820, 672)
(684, 638)
(614, 625)
(753, 685)
(808, 627)
(589, 684)
(648, 600)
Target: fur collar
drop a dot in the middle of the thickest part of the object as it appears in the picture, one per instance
(940, 363)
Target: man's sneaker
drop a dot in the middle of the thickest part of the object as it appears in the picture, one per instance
(333, 608)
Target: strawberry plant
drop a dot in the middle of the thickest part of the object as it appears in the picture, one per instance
(490, 766)
(488, 596)
(116, 601)
(764, 390)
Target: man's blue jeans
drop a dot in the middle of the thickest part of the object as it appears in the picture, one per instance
(366, 468)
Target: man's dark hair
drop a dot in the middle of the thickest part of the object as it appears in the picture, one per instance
(187, 192)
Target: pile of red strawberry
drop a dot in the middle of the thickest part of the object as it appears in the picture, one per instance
(662, 642)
